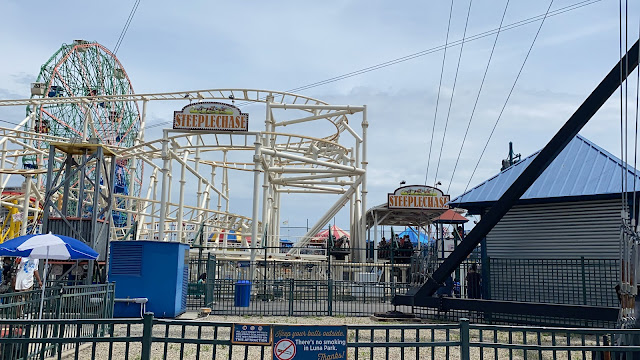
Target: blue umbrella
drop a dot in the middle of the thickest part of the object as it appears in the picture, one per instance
(47, 246)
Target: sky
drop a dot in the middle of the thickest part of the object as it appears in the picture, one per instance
(282, 45)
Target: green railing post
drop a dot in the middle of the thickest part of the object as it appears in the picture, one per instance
(330, 297)
(584, 281)
(486, 285)
(211, 279)
(57, 347)
(291, 285)
(147, 339)
(464, 339)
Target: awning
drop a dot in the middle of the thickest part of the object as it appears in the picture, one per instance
(450, 217)
(401, 217)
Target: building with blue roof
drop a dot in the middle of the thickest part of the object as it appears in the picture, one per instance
(564, 231)
(582, 171)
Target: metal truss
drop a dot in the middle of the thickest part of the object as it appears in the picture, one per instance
(187, 190)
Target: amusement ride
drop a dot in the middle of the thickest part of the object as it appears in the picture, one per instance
(83, 152)
(83, 95)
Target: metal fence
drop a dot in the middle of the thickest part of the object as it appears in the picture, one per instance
(150, 338)
(576, 281)
(306, 298)
(319, 288)
(68, 302)
(291, 288)
(60, 302)
(559, 281)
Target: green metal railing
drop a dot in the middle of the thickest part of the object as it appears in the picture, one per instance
(580, 281)
(291, 288)
(150, 338)
(71, 302)
(320, 288)
(291, 297)
(68, 302)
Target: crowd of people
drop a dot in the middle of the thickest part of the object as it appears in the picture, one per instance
(400, 248)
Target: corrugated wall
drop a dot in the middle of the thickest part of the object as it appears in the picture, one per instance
(563, 253)
(558, 231)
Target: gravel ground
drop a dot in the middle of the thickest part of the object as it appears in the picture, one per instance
(379, 339)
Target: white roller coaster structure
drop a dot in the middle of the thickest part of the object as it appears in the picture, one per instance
(282, 163)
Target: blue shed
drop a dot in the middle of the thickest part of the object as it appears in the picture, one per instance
(155, 270)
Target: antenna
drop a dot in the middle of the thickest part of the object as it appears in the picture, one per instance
(512, 159)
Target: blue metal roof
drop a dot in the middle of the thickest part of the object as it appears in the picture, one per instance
(581, 169)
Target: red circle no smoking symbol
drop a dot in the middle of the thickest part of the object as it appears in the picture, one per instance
(285, 349)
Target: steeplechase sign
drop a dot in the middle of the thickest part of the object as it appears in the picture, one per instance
(212, 116)
(418, 197)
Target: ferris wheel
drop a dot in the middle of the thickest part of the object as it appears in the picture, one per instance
(86, 68)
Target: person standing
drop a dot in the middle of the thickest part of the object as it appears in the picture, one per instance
(474, 290)
(26, 269)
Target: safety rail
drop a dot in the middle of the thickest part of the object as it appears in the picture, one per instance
(509, 342)
(280, 287)
(291, 297)
(60, 302)
(24, 339)
(150, 338)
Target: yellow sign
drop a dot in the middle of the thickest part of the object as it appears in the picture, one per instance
(418, 197)
(213, 116)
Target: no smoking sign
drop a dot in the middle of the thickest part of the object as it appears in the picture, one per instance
(284, 349)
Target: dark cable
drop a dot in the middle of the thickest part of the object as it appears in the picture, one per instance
(635, 152)
(475, 104)
(453, 91)
(626, 106)
(441, 47)
(621, 107)
(435, 115)
(478, 36)
(126, 27)
(507, 100)
(626, 109)
(9, 122)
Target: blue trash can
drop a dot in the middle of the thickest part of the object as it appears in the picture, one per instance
(242, 293)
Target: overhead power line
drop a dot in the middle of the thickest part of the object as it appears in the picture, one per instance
(453, 91)
(9, 122)
(126, 26)
(454, 43)
(432, 50)
(524, 62)
(435, 115)
(475, 104)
